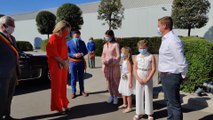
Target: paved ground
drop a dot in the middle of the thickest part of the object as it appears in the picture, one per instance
(32, 101)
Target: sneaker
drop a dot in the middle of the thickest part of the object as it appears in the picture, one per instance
(115, 100)
(110, 99)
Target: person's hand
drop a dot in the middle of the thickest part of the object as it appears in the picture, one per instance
(130, 85)
(145, 81)
(66, 65)
(105, 62)
(141, 82)
(78, 55)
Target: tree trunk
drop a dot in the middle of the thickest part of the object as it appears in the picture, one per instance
(110, 24)
(48, 36)
(189, 31)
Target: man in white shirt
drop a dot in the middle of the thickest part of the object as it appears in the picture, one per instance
(172, 67)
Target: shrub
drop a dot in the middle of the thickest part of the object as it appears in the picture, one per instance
(24, 46)
(199, 54)
(154, 44)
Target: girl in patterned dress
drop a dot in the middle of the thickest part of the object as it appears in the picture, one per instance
(126, 81)
(144, 69)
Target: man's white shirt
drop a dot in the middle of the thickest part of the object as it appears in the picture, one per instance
(171, 55)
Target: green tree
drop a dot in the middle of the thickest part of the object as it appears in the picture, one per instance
(111, 11)
(189, 14)
(45, 22)
(1, 15)
(72, 14)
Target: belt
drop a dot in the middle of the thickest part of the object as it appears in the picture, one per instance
(143, 69)
(168, 73)
(75, 60)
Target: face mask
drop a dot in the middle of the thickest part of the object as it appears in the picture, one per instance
(122, 56)
(158, 31)
(76, 39)
(10, 29)
(108, 39)
(142, 51)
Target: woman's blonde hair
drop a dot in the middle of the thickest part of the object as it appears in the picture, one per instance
(143, 43)
(61, 25)
(128, 50)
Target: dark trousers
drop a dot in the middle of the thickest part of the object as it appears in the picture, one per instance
(7, 89)
(77, 74)
(171, 87)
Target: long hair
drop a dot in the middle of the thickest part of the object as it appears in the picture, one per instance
(61, 25)
(129, 54)
(111, 34)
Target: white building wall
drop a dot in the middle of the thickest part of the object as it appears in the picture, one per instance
(27, 31)
(138, 22)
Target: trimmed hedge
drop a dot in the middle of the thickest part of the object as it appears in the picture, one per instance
(154, 44)
(24, 46)
(198, 52)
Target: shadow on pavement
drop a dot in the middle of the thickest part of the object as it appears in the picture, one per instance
(98, 92)
(79, 111)
(45, 116)
(29, 86)
(92, 109)
(87, 75)
(208, 117)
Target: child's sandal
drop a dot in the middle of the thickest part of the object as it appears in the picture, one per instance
(122, 106)
(137, 117)
(150, 118)
(127, 110)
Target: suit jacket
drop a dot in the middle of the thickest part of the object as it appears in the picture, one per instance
(8, 59)
(78, 47)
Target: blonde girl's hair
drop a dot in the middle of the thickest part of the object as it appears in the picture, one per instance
(129, 57)
(61, 25)
(143, 43)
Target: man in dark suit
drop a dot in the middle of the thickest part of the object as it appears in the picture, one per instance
(77, 50)
(8, 66)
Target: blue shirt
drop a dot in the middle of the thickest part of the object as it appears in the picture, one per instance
(91, 46)
(78, 47)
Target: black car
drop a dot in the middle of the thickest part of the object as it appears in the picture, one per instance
(33, 64)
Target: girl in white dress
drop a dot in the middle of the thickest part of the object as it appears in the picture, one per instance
(144, 69)
(126, 81)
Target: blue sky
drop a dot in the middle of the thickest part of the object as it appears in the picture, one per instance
(10, 7)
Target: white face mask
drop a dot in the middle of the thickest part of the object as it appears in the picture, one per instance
(158, 31)
(10, 29)
(108, 39)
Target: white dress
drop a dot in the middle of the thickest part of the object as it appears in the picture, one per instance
(124, 81)
(144, 93)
